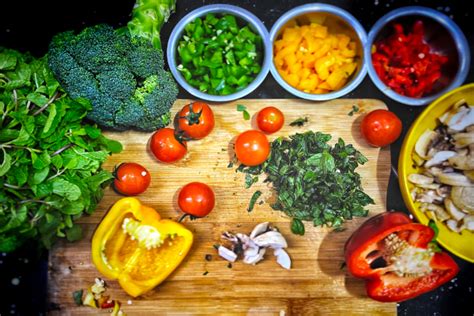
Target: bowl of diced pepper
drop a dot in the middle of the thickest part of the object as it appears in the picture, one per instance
(416, 54)
(219, 52)
(318, 51)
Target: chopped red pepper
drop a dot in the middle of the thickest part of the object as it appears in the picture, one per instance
(392, 254)
(405, 63)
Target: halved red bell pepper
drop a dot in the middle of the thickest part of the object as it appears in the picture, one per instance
(392, 253)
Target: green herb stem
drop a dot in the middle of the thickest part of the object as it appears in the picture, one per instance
(34, 201)
(15, 187)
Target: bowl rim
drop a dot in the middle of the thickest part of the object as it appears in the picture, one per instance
(459, 39)
(326, 8)
(405, 157)
(239, 12)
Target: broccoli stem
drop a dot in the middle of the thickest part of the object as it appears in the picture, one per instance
(148, 16)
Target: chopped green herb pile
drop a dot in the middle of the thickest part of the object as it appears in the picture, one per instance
(50, 163)
(314, 181)
(218, 56)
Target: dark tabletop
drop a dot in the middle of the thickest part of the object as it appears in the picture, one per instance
(29, 25)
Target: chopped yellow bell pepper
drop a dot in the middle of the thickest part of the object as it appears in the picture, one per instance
(314, 60)
(135, 246)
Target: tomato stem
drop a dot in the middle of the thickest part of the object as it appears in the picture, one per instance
(183, 217)
(192, 117)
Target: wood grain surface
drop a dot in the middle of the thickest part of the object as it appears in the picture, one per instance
(316, 284)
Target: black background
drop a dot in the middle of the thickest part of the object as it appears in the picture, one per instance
(29, 26)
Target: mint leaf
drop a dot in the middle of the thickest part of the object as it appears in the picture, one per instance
(40, 175)
(37, 98)
(243, 109)
(299, 122)
(50, 119)
(355, 109)
(74, 233)
(66, 189)
(7, 61)
(6, 163)
(297, 227)
(77, 297)
(253, 200)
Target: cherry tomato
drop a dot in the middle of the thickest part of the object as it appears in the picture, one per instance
(166, 147)
(381, 128)
(252, 148)
(270, 119)
(131, 178)
(196, 120)
(196, 199)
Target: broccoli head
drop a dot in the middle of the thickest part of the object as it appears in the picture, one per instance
(123, 77)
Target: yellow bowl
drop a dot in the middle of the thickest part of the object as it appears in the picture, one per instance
(462, 245)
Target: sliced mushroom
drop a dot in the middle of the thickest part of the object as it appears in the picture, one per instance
(463, 198)
(462, 119)
(468, 222)
(259, 229)
(418, 160)
(454, 179)
(254, 258)
(438, 211)
(444, 191)
(462, 140)
(227, 254)
(417, 178)
(434, 171)
(470, 128)
(462, 162)
(283, 258)
(429, 196)
(458, 104)
(423, 144)
(453, 210)
(440, 157)
(445, 118)
(431, 186)
(453, 225)
(271, 239)
(469, 174)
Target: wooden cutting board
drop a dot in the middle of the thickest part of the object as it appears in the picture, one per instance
(316, 284)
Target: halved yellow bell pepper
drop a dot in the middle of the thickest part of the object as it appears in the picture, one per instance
(135, 246)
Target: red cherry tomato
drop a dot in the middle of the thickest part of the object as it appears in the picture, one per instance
(252, 148)
(196, 120)
(270, 119)
(381, 128)
(196, 199)
(166, 147)
(131, 178)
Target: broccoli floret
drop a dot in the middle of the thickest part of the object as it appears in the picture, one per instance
(123, 77)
